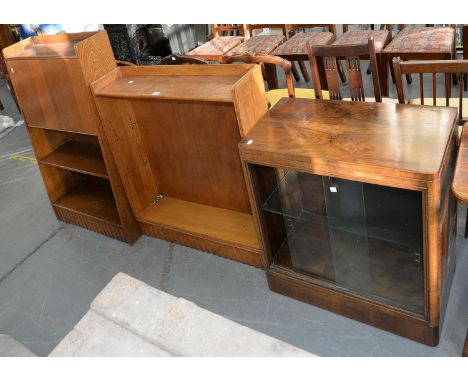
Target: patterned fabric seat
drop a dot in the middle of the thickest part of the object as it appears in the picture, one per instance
(362, 36)
(297, 44)
(216, 47)
(257, 45)
(422, 40)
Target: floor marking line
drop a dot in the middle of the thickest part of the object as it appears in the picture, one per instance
(30, 254)
(23, 158)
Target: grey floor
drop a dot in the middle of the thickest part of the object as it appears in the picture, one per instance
(51, 271)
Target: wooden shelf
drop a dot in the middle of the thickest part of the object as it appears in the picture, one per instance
(82, 157)
(93, 199)
(205, 221)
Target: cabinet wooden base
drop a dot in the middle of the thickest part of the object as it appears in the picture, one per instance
(91, 223)
(243, 255)
(381, 316)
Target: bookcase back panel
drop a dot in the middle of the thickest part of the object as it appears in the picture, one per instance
(192, 147)
(53, 94)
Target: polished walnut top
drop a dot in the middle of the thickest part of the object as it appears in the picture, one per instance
(460, 180)
(407, 141)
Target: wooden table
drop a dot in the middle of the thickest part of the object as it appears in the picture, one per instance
(363, 221)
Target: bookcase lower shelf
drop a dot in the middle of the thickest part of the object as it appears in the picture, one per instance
(220, 231)
(91, 205)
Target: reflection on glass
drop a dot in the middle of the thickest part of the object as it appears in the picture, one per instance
(361, 237)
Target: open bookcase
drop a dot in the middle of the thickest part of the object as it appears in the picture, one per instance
(51, 77)
(174, 132)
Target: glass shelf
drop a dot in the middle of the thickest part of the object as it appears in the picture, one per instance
(361, 237)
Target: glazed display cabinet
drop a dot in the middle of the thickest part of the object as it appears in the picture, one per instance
(353, 205)
(51, 77)
(174, 133)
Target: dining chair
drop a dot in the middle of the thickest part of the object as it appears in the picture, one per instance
(418, 43)
(447, 68)
(465, 51)
(353, 54)
(179, 59)
(274, 95)
(295, 48)
(219, 45)
(263, 44)
(382, 38)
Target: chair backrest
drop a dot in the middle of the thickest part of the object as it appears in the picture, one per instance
(445, 67)
(331, 27)
(240, 28)
(267, 59)
(255, 27)
(179, 59)
(330, 54)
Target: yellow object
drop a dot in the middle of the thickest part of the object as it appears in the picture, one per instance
(23, 158)
(275, 95)
(453, 102)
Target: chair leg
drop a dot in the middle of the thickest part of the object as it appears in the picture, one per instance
(294, 71)
(341, 71)
(409, 79)
(304, 72)
(392, 75)
(271, 76)
(383, 62)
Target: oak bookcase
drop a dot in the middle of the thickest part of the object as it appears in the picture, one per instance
(174, 131)
(51, 77)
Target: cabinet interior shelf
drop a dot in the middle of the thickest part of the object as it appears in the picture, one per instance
(289, 205)
(91, 198)
(202, 220)
(81, 157)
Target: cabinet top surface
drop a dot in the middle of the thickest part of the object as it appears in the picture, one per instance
(48, 46)
(401, 140)
(212, 83)
(460, 180)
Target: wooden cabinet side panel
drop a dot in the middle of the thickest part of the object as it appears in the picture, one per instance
(437, 206)
(250, 100)
(130, 225)
(125, 142)
(96, 57)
